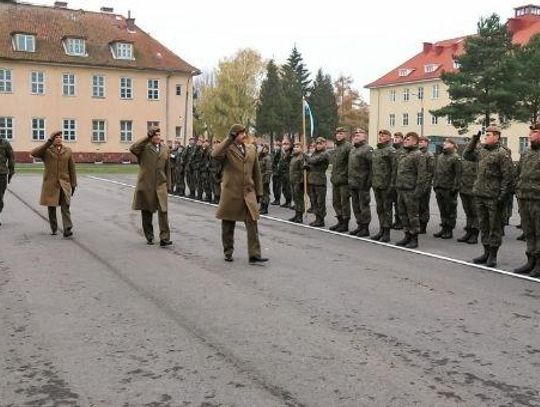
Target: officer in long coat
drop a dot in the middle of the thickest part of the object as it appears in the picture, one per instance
(153, 185)
(59, 181)
(7, 168)
(241, 188)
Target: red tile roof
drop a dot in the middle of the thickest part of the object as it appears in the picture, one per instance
(442, 53)
(52, 25)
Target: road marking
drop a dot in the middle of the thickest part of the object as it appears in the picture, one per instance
(301, 225)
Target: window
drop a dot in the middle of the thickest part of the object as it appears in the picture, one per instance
(68, 84)
(126, 131)
(456, 64)
(151, 124)
(122, 50)
(504, 141)
(434, 119)
(178, 90)
(406, 95)
(69, 130)
(405, 119)
(430, 68)
(178, 131)
(76, 47)
(420, 94)
(38, 129)
(6, 84)
(392, 120)
(448, 120)
(25, 42)
(153, 89)
(404, 72)
(523, 144)
(98, 86)
(98, 131)
(392, 95)
(420, 118)
(126, 88)
(6, 128)
(435, 91)
(37, 83)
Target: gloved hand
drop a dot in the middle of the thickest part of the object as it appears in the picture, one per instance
(9, 177)
(72, 191)
(476, 137)
(259, 198)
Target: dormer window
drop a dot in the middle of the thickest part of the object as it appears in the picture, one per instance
(431, 68)
(456, 64)
(404, 72)
(122, 50)
(24, 42)
(75, 47)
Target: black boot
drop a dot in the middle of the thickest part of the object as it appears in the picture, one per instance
(297, 218)
(527, 266)
(355, 231)
(447, 234)
(483, 258)
(492, 256)
(378, 235)
(397, 224)
(423, 227)
(439, 233)
(474, 237)
(413, 242)
(264, 209)
(385, 238)
(275, 202)
(344, 226)
(287, 204)
(406, 239)
(364, 231)
(337, 225)
(317, 223)
(466, 236)
(535, 272)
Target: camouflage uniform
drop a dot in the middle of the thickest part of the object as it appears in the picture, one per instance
(196, 164)
(216, 168)
(446, 185)
(383, 167)
(296, 177)
(276, 177)
(426, 196)
(206, 182)
(187, 158)
(340, 188)
(180, 187)
(7, 168)
(398, 224)
(317, 165)
(359, 180)
(283, 171)
(265, 161)
(469, 170)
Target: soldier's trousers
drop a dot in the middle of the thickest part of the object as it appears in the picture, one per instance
(298, 196)
(180, 181)
(3, 186)
(206, 185)
(491, 221)
(384, 200)
(67, 225)
(173, 175)
(276, 187)
(199, 181)
(318, 194)
(227, 237)
(447, 202)
(424, 206)
(409, 211)
(216, 189)
(529, 211)
(360, 205)
(469, 207)
(191, 181)
(286, 189)
(508, 208)
(148, 227)
(341, 201)
(265, 199)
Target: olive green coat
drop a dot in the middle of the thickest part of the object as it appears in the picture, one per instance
(154, 180)
(340, 163)
(528, 182)
(59, 173)
(241, 183)
(317, 163)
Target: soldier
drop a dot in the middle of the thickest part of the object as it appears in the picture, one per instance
(187, 158)
(317, 164)
(339, 179)
(205, 170)
(215, 173)
(383, 170)
(242, 175)
(397, 143)
(198, 164)
(469, 170)
(446, 185)
(7, 168)
(265, 161)
(59, 181)
(411, 183)
(296, 176)
(180, 186)
(172, 162)
(311, 150)
(153, 183)
(491, 189)
(528, 194)
(283, 170)
(360, 174)
(423, 145)
(276, 177)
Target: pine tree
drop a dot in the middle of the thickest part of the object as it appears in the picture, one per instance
(323, 105)
(292, 101)
(269, 119)
(527, 79)
(296, 62)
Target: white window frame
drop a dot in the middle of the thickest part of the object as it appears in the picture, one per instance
(6, 80)
(153, 89)
(99, 131)
(37, 83)
(69, 132)
(69, 86)
(123, 50)
(406, 94)
(126, 131)
(75, 47)
(392, 95)
(429, 68)
(178, 132)
(420, 93)
(152, 123)
(126, 89)
(523, 144)
(392, 120)
(98, 86)
(404, 72)
(420, 119)
(24, 42)
(448, 120)
(434, 120)
(38, 132)
(405, 119)
(7, 127)
(179, 89)
(435, 91)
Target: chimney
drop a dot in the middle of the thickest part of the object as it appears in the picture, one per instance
(427, 47)
(107, 10)
(60, 4)
(130, 22)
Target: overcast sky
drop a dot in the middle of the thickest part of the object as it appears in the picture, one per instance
(361, 39)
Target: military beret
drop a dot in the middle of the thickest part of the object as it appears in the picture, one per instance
(493, 129)
(236, 129)
(320, 140)
(297, 143)
(535, 126)
(384, 131)
(340, 130)
(398, 134)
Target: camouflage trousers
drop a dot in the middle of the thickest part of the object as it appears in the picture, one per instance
(409, 211)
(469, 207)
(286, 189)
(529, 211)
(341, 201)
(424, 206)
(180, 184)
(361, 200)
(207, 185)
(384, 200)
(491, 221)
(447, 203)
(227, 237)
(216, 188)
(191, 181)
(318, 203)
(276, 187)
(265, 199)
(298, 196)
(394, 205)
(3, 186)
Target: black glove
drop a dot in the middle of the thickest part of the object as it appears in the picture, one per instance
(72, 191)
(259, 198)
(9, 177)
(476, 137)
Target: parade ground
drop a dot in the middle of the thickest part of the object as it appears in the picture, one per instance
(105, 320)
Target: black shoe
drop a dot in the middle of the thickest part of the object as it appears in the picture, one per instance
(385, 238)
(68, 233)
(466, 236)
(492, 257)
(263, 211)
(535, 272)
(54, 232)
(423, 227)
(439, 233)
(473, 239)
(228, 257)
(310, 210)
(397, 225)
(275, 203)
(406, 239)
(149, 242)
(286, 205)
(164, 243)
(355, 231)
(337, 225)
(483, 258)
(521, 237)
(364, 231)
(257, 259)
(447, 234)
(317, 223)
(527, 267)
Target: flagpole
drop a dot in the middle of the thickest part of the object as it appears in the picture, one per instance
(304, 152)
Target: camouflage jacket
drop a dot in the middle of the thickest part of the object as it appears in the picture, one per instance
(276, 156)
(340, 163)
(265, 161)
(296, 169)
(430, 164)
(383, 166)
(469, 169)
(411, 172)
(7, 158)
(447, 173)
(528, 182)
(359, 171)
(284, 162)
(317, 164)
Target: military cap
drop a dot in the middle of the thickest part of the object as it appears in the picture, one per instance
(535, 126)
(384, 131)
(236, 129)
(340, 130)
(297, 143)
(493, 129)
(412, 134)
(423, 138)
(320, 140)
(451, 141)
(359, 130)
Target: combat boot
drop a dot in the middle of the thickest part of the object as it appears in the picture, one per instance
(406, 239)
(466, 236)
(337, 225)
(275, 202)
(344, 226)
(317, 223)
(378, 235)
(397, 224)
(439, 233)
(385, 238)
(364, 231)
(483, 258)
(297, 218)
(413, 242)
(447, 234)
(264, 209)
(287, 204)
(492, 256)
(423, 228)
(474, 237)
(535, 272)
(355, 231)
(527, 266)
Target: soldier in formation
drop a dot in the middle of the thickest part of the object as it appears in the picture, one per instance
(189, 169)
(283, 171)
(215, 174)
(180, 178)
(397, 143)
(423, 146)
(316, 165)
(296, 178)
(265, 161)
(7, 169)
(276, 177)
(340, 179)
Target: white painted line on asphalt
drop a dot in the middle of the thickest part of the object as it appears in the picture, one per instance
(301, 225)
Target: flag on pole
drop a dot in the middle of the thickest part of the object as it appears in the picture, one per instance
(307, 110)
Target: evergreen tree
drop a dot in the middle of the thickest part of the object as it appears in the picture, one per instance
(269, 119)
(292, 101)
(483, 87)
(527, 79)
(323, 105)
(296, 62)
